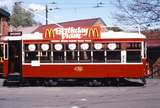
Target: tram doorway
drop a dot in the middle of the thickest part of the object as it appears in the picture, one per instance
(15, 57)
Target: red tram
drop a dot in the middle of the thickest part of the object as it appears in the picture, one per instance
(82, 53)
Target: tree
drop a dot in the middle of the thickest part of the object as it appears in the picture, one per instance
(21, 17)
(138, 12)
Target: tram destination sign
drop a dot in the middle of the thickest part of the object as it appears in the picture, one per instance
(72, 33)
(15, 33)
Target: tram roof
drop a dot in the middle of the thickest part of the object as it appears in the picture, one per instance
(104, 35)
(121, 35)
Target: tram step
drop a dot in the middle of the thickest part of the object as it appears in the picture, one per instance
(11, 83)
(14, 77)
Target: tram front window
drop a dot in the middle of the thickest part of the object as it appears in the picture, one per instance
(133, 56)
(134, 52)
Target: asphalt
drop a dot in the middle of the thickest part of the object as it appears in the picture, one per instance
(147, 96)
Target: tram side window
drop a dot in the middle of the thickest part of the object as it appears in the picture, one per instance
(113, 56)
(114, 53)
(98, 52)
(58, 53)
(1, 53)
(134, 53)
(45, 53)
(31, 52)
(85, 52)
(71, 52)
(6, 51)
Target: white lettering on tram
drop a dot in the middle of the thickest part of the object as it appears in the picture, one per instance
(71, 32)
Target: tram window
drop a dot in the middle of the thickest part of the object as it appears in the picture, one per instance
(58, 56)
(31, 52)
(114, 56)
(133, 56)
(71, 52)
(58, 53)
(85, 56)
(135, 45)
(1, 50)
(85, 52)
(45, 53)
(29, 56)
(6, 51)
(98, 52)
(98, 56)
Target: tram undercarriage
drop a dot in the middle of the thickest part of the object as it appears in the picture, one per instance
(16, 80)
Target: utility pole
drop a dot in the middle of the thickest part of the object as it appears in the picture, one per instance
(46, 14)
(47, 10)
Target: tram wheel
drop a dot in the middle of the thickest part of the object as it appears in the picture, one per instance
(143, 80)
(5, 83)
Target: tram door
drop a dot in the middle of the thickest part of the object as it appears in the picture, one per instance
(15, 57)
(1, 59)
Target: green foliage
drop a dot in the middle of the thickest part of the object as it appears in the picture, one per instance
(21, 17)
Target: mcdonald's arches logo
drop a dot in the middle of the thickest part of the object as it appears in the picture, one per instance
(49, 34)
(94, 32)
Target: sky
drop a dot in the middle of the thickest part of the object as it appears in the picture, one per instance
(68, 10)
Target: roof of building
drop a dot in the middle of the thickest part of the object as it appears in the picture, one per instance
(76, 23)
(25, 30)
(153, 38)
(4, 13)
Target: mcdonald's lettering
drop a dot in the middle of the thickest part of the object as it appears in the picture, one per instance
(94, 32)
(49, 34)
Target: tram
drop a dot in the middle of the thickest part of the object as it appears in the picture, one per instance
(82, 53)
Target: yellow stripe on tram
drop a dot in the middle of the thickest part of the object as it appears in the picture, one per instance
(1, 60)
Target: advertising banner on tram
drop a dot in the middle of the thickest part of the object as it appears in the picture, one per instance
(72, 33)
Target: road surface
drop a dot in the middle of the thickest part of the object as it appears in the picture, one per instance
(147, 96)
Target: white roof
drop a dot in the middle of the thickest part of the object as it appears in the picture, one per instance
(104, 35)
(121, 35)
(31, 36)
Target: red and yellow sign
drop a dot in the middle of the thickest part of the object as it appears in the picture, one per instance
(72, 33)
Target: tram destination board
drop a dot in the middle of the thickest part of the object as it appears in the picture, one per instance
(15, 33)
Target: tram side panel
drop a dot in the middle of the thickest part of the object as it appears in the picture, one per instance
(90, 69)
(85, 71)
(132, 66)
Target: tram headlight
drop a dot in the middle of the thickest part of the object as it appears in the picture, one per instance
(58, 47)
(98, 46)
(112, 46)
(72, 46)
(32, 47)
(44, 47)
(84, 46)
